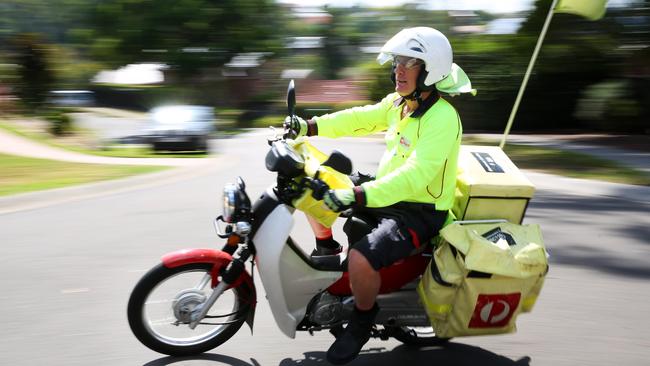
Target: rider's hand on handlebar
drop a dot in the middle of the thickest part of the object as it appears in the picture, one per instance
(339, 199)
(295, 127)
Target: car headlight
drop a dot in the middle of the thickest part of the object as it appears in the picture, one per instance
(230, 202)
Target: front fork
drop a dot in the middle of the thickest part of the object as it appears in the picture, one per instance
(229, 275)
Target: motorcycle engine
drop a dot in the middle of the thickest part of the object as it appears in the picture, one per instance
(326, 309)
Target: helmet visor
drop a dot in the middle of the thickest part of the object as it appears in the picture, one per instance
(406, 62)
(384, 57)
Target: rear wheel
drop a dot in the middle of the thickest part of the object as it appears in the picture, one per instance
(156, 147)
(202, 144)
(418, 336)
(159, 307)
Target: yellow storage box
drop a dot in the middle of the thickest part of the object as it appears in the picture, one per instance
(489, 186)
(481, 277)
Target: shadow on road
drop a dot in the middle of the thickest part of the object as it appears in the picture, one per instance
(219, 359)
(451, 354)
(574, 254)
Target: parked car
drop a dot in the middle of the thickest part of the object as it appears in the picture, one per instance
(180, 127)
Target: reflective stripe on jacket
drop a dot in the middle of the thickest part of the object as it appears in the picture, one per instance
(419, 164)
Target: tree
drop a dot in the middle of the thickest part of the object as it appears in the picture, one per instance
(35, 74)
(576, 53)
(188, 34)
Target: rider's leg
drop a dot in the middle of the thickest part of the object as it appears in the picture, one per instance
(394, 237)
(384, 245)
(348, 345)
(364, 280)
(325, 243)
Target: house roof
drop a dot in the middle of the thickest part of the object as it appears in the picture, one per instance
(329, 91)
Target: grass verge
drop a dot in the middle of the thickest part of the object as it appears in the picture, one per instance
(20, 174)
(567, 163)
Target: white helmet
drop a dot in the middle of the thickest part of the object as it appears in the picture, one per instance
(426, 44)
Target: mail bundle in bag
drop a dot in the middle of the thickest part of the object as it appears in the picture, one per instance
(482, 276)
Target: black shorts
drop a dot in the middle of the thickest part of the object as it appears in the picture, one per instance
(387, 234)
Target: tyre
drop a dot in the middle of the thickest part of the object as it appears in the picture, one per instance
(418, 336)
(202, 144)
(159, 304)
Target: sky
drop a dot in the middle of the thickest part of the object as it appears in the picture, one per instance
(492, 6)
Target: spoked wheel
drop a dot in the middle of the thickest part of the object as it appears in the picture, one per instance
(161, 302)
(418, 336)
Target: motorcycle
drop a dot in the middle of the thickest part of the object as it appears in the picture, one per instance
(197, 299)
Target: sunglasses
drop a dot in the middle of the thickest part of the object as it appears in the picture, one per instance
(407, 62)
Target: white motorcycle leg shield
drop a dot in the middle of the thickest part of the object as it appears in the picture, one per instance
(290, 283)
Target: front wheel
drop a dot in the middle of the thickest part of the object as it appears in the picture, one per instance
(418, 336)
(159, 307)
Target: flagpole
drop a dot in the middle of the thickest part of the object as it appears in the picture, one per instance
(527, 75)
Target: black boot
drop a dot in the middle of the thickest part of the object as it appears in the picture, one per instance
(327, 246)
(348, 345)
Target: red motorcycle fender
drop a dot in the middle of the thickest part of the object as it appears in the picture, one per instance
(220, 260)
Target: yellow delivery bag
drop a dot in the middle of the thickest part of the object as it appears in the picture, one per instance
(482, 276)
(313, 168)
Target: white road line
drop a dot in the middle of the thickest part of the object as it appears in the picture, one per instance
(75, 290)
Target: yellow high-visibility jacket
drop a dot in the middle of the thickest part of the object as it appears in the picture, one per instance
(419, 164)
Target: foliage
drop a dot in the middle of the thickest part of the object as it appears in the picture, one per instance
(8, 71)
(495, 65)
(589, 75)
(34, 74)
(60, 122)
(577, 55)
(348, 31)
(70, 69)
(274, 120)
(308, 110)
(49, 18)
(333, 56)
(227, 117)
(189, 34)
(377, 80)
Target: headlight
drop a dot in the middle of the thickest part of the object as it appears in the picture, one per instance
(230, 202)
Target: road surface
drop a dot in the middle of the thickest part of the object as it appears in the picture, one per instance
(67, 269)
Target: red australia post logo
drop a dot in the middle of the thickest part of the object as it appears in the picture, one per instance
(404, 142)
(494, 311)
